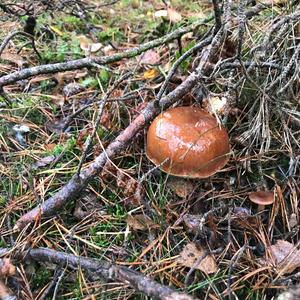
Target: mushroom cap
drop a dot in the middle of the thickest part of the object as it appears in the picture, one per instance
(187, 141)
(262, 197)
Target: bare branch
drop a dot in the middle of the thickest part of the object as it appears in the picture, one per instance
(92, 62)
(104, 269)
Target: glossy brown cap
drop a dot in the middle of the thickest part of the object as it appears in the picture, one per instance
(190, 142)
(262, 197)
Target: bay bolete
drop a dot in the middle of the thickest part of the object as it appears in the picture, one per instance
(188, 142)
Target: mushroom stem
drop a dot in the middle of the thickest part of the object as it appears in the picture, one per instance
(260, 208)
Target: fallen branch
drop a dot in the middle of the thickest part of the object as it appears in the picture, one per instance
(78, 183)
(106, 270)
(90, 62)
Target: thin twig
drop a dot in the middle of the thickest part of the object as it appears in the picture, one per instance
(13, 34)
(59, 279)
(242, 25)
(177, 63)
(198, 262)
(218, 14)
(96, 125)
(56, 276)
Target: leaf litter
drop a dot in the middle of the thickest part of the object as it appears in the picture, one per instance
(194, 256)
(179, 211)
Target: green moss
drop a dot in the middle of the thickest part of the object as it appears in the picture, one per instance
(2, 244)
(186, 63)
(41, 277)
(111, 34)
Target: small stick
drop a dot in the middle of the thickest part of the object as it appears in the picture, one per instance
(13, 34)
(100, 113)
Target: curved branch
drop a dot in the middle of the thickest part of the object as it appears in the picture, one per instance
(78, 183)
(92, 62)
(104, 269)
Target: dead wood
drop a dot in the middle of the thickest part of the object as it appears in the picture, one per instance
(104, 269)
(78, 183)
(90, 62)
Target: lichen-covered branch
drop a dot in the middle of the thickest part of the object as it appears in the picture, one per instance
(106, 270)
(79, 182)
(90, 62)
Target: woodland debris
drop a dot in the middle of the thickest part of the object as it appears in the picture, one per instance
(106, 270)
(194, 256)
(181, 186)
(7, 269)
(79, 182)
(140, 222)
(284, 256)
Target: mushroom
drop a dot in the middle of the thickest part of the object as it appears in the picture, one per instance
(262, 198)
(187, 142)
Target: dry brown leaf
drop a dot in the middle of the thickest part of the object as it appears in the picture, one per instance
(140, 222)
(13, 57)
(82, 137)
(187, 38)
(181, 187)
(108, 50)
(107, 119)
(88, 205)
(191, 253)
(44, 161)
(150, 74)
(285, 256)
(57, 126)
(150, 57)
(173, 15)
(69, 75)
(58, 99)
(6, 268)
(242, 218)
(126, 183)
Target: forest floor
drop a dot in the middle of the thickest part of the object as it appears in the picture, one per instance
(75, 133)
